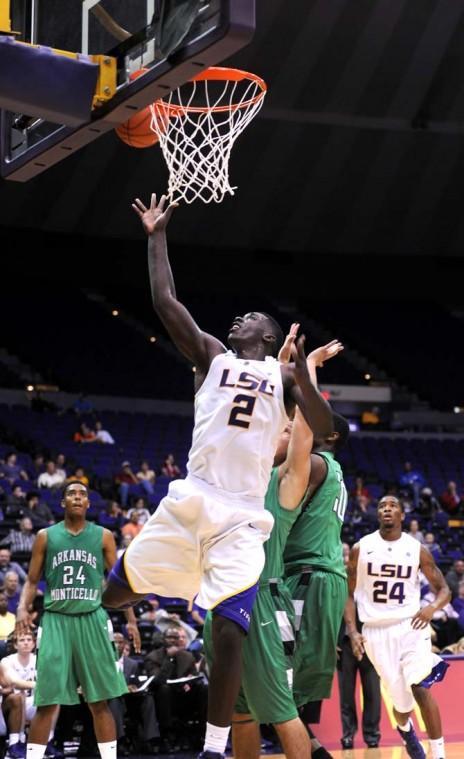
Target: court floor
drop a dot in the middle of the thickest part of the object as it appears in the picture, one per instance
(453, 751)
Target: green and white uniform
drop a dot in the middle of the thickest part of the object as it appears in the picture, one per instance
(75, 637)
(266, 691)
(316, 579)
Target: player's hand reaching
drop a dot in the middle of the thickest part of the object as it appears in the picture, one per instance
(24, 622)
(134, 635)
(155, 217)
(322, 354)
(357, 644)
(287, 350)
(423, 617)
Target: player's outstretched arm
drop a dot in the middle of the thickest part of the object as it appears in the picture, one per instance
(316, 411)
(197, 346)
(356, 639)
(437, 583)
(28, 593)
(296, 471)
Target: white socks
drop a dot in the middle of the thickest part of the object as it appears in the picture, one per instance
(215, 738)
(405, 728)
(437, 748)
(14, 738)
(35, 751)
(107, 750)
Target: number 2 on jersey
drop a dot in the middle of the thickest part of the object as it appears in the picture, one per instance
(244, 405)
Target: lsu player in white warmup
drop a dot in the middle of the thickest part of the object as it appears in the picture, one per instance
(383, 579)
(207, 535)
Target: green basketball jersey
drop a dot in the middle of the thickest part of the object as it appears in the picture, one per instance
(315, 537)
(74, 569)
(283, 522)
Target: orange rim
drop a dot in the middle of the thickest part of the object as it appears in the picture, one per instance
(218, 74)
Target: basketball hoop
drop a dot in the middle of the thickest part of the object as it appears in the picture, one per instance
(197, 126)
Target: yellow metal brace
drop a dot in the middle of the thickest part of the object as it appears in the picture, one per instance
(5, 19)
(106, 82)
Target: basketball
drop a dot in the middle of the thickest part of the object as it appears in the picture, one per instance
(136, 132)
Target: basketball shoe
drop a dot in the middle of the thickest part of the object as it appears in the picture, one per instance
(411, 743)
(16, 751)
(211, 755)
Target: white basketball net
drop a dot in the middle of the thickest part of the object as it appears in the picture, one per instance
(197, 126)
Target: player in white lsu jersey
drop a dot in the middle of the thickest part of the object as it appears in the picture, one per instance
(207, 535)
(383, 580)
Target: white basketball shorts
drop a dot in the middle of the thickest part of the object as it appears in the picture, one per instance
(30, 709)
(402, 657)
(199, 540)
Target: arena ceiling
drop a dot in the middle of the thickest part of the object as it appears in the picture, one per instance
(358, 150)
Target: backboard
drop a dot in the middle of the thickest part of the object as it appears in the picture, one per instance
(172, 40)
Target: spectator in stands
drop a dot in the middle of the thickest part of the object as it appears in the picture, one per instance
(412, 480)
(348, 666)
(458, 605)
(22, 663)
(455, 576)
(415, 532)
(7, 622)
(146, 477)
(84, 434)
(363, 509)
(50, 479)
(60, 462)
(455, 649)
(125, 540)
(444, 621)
(149, 615)
(11, 470)
(133, 526)
(125, 478)
(359, 488)
(170, 468)
(38, 466)
(12, 590)
(165, 619)
(22, 540)
(197, 616)
(79, 475)
(6, 565)
(428, 505)
(139, 707)
(170, 662)
(83, 405)
(140, 509)
(16, 502)
(450, 498)
(112, 517)
(432, 545)
(103, 436)
(39, 513)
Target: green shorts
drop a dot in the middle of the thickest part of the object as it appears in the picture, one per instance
(76, 650)
(266, 690)
(323, 595)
